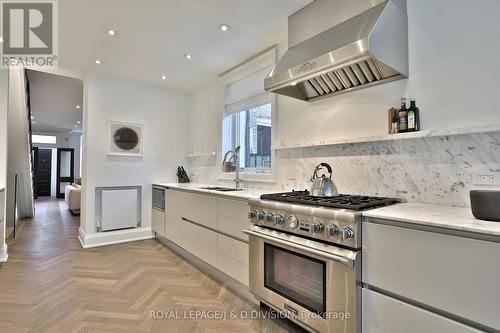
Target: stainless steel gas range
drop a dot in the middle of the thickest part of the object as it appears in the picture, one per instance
(305, 258)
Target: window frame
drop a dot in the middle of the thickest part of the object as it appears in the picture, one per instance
(251, 175)
(34, 138)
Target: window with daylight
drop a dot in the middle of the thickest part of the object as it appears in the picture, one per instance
(251, 130)
(44, 139)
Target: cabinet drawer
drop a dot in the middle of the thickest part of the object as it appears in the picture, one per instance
(233, 226)
(199, 241)
(382, 314)
(174, 208)
(199, 208)
(158, 222)
(234, 208)
(454, 274)
(234, 249)
(233, 268)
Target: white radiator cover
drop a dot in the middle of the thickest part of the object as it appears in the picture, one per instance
(119, 208)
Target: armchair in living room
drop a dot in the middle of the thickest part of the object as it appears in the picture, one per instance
(72, 197)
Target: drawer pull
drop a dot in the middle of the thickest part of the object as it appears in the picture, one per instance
(214, 230)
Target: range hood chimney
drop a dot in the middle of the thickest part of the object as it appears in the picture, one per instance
(365, 43)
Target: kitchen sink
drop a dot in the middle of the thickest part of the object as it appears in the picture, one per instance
(221, 189)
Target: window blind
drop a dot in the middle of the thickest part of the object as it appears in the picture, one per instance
(248, 92)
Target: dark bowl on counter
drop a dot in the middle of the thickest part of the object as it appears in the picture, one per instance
(485, 205)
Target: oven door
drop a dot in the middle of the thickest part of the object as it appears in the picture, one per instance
(315, 284)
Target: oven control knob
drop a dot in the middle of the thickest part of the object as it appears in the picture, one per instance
(278, 219)
(331, 230)
(346, 234)
(252, 215)
(292, 221)
(269, 217)
(261, 215)
(317, 227)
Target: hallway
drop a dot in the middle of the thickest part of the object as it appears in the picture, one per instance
(50, 284)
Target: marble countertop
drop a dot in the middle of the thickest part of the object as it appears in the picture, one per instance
(244, 194)
(456, 218)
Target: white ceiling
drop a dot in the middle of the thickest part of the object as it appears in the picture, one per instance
(153, 36)
(53, 102)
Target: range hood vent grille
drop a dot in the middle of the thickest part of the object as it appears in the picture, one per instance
(366, 72)
(368, 49)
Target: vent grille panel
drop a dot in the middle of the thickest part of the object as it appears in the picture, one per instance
(353, 76)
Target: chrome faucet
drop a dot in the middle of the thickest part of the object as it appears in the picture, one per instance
(236, 155)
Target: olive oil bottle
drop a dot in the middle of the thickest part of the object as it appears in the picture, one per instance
(403, 117)
(413, 116)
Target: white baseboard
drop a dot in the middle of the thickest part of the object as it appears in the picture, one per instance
(3, 254)
(113, 237)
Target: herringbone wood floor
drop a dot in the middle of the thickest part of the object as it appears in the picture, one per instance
(50, 284)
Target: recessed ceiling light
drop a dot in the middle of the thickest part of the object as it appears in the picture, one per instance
(188, 56)
(78, 122)
(78, 106)
(111, 32)
(76, 126)
(163, 77)
(32, 117)
(98, 62)
(33, 122)
(1, 39)
(224, 27)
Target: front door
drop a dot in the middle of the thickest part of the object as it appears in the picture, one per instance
(65, 169)
(43, 174)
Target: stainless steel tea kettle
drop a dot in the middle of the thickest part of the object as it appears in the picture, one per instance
(323, 186)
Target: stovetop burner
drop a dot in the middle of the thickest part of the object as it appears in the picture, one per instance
(342, 201)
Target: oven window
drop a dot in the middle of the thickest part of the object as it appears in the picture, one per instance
(299, 278)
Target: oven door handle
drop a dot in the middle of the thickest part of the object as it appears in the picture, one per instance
(335, 257)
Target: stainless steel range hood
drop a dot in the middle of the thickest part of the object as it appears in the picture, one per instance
(366, 49)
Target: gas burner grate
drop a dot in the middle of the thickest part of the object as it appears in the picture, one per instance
(342, 201)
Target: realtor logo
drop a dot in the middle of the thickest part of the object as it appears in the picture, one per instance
(28, 32)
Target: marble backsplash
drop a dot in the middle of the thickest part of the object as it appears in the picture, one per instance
(435, 170)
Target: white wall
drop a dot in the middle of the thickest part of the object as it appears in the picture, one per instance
(4, 86)
(165, 117)
(204, 118)
(18, 154)
(74, 142)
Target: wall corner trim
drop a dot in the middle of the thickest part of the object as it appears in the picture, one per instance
(3, 254)
(113, 237)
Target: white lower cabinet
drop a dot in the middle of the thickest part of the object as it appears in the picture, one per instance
(457, 275)
(233, 258)
(383, 314)
(158, 222)
(198, 223)
(200, 241)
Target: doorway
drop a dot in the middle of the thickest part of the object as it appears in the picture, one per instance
(65, 170)
(43, 172)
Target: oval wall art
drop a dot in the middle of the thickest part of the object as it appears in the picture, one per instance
(124, 139)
